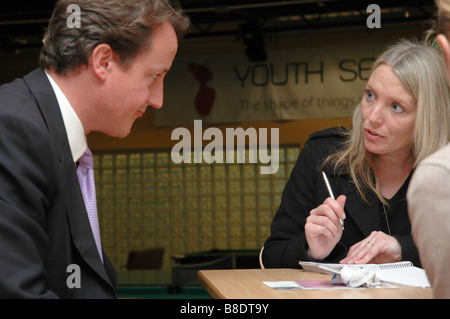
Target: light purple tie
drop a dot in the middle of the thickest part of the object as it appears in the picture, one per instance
(85, 172)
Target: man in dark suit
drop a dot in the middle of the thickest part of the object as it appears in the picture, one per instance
(99, 74)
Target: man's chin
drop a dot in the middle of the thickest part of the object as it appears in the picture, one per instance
(118, 133)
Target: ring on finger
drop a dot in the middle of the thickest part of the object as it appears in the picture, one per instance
(370, 243)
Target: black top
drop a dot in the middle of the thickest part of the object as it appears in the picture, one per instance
(305, 190)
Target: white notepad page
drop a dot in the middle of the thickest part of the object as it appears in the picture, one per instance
(403, 273)
(409, 276)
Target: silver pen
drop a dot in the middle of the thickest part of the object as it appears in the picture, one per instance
(330, 191)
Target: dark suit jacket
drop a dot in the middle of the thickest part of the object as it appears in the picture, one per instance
(305, 190)
(44, 226)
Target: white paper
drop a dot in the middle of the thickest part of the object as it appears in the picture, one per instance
(403, 273)
(409, 276)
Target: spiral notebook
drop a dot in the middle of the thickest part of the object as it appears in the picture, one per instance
(403, 273)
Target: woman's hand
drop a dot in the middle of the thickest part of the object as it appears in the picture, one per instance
(378, 248)
(323, 229)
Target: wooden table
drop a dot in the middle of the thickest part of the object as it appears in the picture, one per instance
(248, 284)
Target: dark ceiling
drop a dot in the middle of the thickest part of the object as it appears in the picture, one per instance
(22, 22)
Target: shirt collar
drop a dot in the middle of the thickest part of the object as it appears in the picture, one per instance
(72, 123)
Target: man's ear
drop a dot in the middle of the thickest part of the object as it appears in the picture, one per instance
(100, 59)
(445, 47)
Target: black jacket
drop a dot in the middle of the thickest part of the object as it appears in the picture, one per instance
(305, 190)
(44, 227)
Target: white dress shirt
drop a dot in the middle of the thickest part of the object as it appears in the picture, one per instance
(72, 123)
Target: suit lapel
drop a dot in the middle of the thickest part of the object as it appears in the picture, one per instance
(79, 225)
(79, 222)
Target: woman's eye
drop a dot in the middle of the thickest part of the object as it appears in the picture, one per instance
(397, 108)
(370, 95)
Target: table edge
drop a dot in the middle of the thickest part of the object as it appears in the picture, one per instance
(209, 287)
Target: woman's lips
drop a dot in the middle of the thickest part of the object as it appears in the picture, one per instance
(372, 135)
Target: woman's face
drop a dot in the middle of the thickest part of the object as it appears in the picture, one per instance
(388, 113)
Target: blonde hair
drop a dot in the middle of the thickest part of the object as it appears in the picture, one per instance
(420, 69)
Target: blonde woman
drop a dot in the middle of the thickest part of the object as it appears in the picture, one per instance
(401, 119)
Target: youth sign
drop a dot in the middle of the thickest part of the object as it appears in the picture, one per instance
(291, 84)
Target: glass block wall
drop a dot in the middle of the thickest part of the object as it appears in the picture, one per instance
(145, 200)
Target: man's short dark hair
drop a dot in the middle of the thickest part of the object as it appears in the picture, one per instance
(124, 25)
